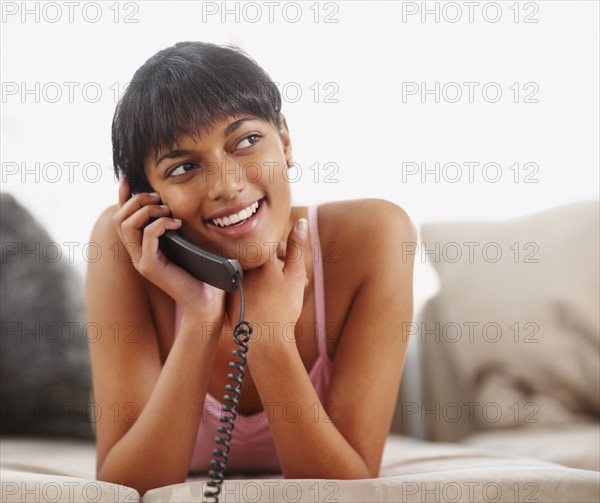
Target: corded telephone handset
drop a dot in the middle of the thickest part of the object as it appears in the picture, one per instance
(226, 274)
(220, 272)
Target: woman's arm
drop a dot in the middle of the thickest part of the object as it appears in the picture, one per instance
(346, 441)
(147, 414)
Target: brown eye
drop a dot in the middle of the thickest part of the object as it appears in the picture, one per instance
(182, 169)
(252, 139)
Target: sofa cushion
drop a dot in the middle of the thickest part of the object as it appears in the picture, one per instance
(575, 445)
(22, 486)
(58, 456)
(517, 339)
(44, 361)
(412, 471)
(55, 470)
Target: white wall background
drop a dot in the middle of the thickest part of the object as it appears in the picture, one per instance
(64, 64)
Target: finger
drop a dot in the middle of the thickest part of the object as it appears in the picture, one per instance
(150, 261)
(155, 230)
(133, 204)
(171, 278)
(140, 200)
(130, 230)
(127, 220)
(140, 218)
(294, 249)
(281, 250)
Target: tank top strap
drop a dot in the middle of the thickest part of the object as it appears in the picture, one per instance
(319, 288)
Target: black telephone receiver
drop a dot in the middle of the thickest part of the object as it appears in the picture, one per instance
(220, 272)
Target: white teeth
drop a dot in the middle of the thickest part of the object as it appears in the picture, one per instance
(236, 217)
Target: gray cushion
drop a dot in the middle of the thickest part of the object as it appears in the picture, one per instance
(44, 361)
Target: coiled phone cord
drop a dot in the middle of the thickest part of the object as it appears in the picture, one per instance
(241, 336)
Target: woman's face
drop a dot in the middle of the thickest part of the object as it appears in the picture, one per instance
(240, 161)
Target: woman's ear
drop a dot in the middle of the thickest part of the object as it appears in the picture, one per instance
(286, 143)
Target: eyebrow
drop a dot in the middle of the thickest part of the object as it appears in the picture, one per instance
(228, 130)
(235, 125)
(174, 154)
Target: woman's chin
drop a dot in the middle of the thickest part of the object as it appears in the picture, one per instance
(249, 264)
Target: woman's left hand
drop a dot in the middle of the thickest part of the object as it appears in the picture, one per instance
(274, 292)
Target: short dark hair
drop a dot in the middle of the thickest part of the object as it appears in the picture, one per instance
(181, 91)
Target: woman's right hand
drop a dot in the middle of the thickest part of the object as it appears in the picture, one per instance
(194, 297)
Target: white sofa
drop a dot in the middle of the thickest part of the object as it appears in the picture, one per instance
(445, 444)
(516, 337)
(413, 471)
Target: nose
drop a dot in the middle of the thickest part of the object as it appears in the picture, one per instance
(226, 180)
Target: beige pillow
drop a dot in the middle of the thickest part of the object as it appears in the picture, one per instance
(520, 333)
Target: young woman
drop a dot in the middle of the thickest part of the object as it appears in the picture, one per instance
(201, 125)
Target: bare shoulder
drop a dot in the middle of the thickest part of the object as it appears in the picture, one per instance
(104, 228)
(369, 213)
(116, 267)
(365, 230)
(112, 275)
(112, 253)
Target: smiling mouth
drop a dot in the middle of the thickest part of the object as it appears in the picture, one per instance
(236, 219)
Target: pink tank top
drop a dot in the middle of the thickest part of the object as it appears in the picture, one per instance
(252, 447)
